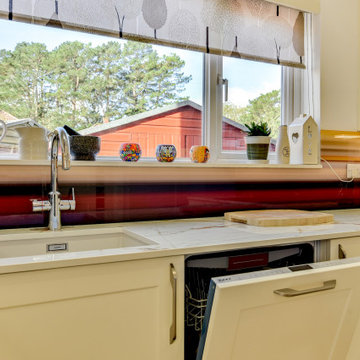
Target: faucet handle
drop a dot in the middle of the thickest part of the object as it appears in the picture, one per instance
(68, 204)
(72, 201)
(39, 205)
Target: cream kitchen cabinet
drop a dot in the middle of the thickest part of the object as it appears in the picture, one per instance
(124, 310)
(344, 248)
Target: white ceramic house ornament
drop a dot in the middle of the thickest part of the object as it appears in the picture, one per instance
(304, 140)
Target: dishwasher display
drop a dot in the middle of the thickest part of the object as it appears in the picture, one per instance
(199, 269)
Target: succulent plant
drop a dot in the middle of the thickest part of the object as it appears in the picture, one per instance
(258, 129)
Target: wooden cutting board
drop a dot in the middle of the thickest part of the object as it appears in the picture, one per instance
(279, 217)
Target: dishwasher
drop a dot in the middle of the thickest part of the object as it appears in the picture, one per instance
(200, 269)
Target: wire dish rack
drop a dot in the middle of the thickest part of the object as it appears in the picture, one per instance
(197, 281)
(195, 310)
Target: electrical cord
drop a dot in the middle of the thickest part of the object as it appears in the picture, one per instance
(336, 174)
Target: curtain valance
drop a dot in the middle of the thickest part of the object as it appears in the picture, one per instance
(249, 29)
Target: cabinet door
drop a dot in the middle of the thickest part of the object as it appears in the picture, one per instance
(344, 248)
(281, 315)
(113, 311)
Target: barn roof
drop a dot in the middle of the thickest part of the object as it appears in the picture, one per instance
(126, 120)
(5, 116)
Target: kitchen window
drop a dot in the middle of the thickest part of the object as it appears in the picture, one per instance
(245, 91)
(252, 92)
(287, 93)
(119, 90)
(180, 93)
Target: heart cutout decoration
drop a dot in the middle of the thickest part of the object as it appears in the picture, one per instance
(295, 137)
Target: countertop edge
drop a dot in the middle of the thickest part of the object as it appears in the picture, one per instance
(151, 252)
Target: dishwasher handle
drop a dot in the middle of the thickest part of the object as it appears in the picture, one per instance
(287, 292)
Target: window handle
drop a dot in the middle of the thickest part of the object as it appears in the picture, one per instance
(224, 82)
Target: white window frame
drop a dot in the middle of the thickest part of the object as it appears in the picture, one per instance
(297, 97)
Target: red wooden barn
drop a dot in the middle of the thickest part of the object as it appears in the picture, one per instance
(179, 124)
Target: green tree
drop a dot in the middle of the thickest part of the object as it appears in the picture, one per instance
(106, 84)
(266, 107)
(168, 81)
(150, 81)
(79, 85)
(70, 84)
(24, 80)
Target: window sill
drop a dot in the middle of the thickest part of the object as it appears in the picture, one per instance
(19, 172)
(152, 163)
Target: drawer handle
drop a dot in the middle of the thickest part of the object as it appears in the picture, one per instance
(173, 281)
(287, 292)
(341, 252)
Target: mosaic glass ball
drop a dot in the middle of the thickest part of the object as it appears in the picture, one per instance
(199, 154)
(130, 152)
(165, 153)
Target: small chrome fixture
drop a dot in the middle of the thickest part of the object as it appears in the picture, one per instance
(54, 204)
(57, 247)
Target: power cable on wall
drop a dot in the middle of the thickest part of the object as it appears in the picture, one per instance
(336, 174)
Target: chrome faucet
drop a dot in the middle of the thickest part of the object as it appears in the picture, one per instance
(54, 204)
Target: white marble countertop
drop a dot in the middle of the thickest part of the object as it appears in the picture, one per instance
(172, 238)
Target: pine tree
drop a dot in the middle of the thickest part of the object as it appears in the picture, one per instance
(106, 84)
(79, 85)
(70, 84)
(23, 77)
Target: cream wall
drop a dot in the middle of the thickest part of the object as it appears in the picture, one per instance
(339, 64)
(305, 5)
(338, 46)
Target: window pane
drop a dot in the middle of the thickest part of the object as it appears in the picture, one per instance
(118, 90)
(162, 104)
(253, 95)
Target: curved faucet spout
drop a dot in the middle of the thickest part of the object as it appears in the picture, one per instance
(59, 136)
(65, 148)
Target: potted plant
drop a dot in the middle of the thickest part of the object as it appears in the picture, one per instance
(257, 140)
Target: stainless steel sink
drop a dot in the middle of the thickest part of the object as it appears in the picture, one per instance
(39, 242)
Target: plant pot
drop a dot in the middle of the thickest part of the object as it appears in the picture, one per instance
(257, 147)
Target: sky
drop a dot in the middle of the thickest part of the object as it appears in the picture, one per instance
(247, 79)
